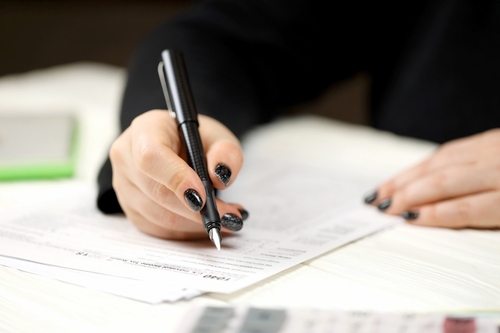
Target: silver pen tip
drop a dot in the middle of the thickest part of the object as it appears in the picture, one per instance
(215, 237)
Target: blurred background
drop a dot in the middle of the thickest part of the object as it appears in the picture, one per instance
(45, 33)
(38, 34)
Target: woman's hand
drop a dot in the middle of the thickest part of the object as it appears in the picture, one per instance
(156, 188)
(457, 187)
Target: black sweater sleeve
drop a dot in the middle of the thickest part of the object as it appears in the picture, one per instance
(246, 60)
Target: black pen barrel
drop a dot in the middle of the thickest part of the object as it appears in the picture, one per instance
(194, 148)
(179, 87)
(196, 159)
(180, 100)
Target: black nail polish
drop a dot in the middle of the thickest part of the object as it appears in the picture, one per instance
(193, 199)
(409, 215)
(223, 173)
(371, 197)
(384, 204)
(232, 222)
(244, 214)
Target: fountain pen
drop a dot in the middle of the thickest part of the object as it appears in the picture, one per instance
(180, 103)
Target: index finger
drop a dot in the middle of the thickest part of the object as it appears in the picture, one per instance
(156, 147)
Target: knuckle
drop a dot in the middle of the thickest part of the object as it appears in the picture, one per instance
(161, 194)
(169, 220)
(445, 152)
(158, 190)
(238, 157)
(133, 215)
(119, 185)
(464, 210)
(165, 219)
(234, 150)
(232, 153)
(232, 147)
(457, 215)
(427, 165)
(177, 179)
(439, 181)
(115, 152)
(116, 184)
(400, 199)
(390, 187)
(431, 214)
(387, 189)
(146, 157)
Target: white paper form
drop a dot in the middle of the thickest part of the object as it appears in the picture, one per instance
(144, 291)
(297, 213)
(63, 196)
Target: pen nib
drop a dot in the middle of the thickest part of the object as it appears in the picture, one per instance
(215, 237)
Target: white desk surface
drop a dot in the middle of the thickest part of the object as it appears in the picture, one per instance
(390, 271)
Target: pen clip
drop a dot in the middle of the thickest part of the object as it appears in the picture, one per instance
(163, 81)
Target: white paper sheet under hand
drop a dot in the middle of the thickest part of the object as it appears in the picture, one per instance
(287, 227)
(143, 291)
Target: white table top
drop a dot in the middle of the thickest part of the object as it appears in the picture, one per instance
(403, 269)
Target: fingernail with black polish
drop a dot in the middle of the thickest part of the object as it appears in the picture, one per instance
(232, 222)
(223, 173)
(384, 204)
(409, 215)
(244, 214)
(193, 199)
(371, 197)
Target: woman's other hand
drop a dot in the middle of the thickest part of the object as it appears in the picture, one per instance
(457, 187)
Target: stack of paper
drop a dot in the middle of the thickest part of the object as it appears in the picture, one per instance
(66, 238)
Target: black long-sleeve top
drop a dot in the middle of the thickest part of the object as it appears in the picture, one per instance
(435, 65)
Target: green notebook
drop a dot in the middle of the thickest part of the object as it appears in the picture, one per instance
(41, 146)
